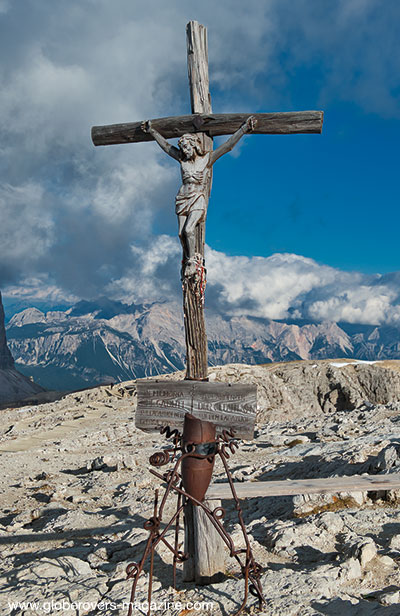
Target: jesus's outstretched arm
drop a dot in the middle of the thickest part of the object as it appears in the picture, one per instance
(169, 149)
(230, 143)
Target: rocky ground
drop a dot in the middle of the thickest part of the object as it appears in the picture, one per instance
(75, 490)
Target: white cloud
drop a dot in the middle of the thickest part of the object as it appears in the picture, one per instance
(155, 276)
(358, 304)
(283, 286)
(74, 212)
(127, 190)
(291, 286)
(38, 289)
(27, 229)
(43, 109)
(272, 284)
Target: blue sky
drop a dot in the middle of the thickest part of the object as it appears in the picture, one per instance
(334, 198)
(302, 225)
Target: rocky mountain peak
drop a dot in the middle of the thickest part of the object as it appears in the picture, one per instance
(13, 385)
(6, 360)
(27, 316)
(105, 340)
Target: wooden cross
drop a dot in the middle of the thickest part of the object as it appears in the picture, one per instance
(207, 125)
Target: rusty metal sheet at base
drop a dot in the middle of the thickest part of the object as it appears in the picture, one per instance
(164, 403)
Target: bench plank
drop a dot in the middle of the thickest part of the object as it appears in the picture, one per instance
(291, 487)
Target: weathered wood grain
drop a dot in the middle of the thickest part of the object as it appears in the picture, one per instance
(193, 308)
(291, 487)
(201, 537)
(206, 563)
(285, 123)
(193, 318)
(197, 63)
(161, 403)
(189, 545)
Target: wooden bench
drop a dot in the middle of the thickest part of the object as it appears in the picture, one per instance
(291, 487)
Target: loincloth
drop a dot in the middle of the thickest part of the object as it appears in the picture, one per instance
(190, 201)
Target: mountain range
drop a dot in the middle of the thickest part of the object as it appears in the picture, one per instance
(101, 341)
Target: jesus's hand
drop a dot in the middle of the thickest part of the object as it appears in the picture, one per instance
(250, 124)
(146, 126)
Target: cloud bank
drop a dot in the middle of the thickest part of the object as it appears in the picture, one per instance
(291, 286)
(84, 222)
(282, 286)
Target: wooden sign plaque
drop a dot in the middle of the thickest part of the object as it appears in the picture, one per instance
(164, 403)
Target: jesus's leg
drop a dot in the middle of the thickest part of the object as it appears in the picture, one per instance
(181, 225)
(189, 235)
(189, 231)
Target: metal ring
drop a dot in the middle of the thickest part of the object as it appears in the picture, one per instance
(151, 524)
(172, 477)
(218, 513)
(160, 458)
(132, 570)
(253, 590)
(256, 569)
(181, 556)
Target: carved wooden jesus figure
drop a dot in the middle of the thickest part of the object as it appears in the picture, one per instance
(192, 199)
(196, 157)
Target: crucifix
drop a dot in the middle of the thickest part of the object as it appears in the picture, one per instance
(196, 157)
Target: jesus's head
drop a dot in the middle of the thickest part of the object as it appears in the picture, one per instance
(190, 145)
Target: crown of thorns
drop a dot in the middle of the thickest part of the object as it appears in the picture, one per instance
(193, 139)
(195, 142)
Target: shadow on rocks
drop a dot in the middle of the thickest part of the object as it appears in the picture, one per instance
(362, 608)
(316, 467)
(387, 534)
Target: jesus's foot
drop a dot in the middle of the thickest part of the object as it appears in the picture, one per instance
(190, 268)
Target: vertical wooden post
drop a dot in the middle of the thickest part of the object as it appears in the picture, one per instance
(193, 309)
(206, 549)
(202, 542)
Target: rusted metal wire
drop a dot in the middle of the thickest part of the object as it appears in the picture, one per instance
(174, 434)
(224, 446)
(160, 458)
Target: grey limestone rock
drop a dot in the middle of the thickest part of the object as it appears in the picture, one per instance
(6, 360)
(389, 597)
(364, 549)
(395, 543)
(350, 570)
(13, 385)
(329, 559)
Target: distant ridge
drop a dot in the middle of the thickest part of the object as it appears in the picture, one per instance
(103, 340)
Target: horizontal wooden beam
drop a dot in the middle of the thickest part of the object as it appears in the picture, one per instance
(291, 487)
(290, 123)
